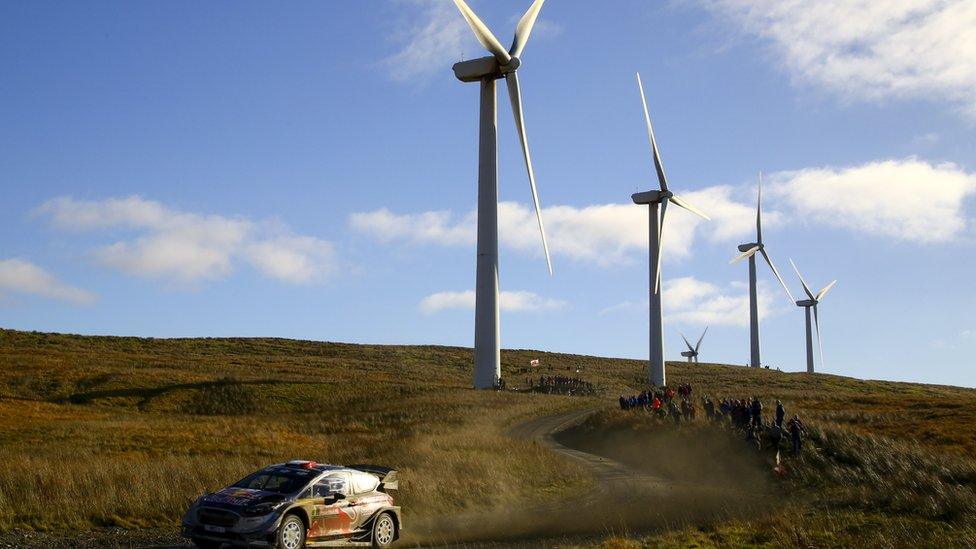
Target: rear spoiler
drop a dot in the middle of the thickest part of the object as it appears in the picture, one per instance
(389, 479)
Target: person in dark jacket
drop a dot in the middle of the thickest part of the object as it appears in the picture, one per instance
(756, 413)
(780, 414)
(795, 427)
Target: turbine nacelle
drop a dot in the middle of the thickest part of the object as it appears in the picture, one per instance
(807, 303)
(746, 247)
(689, 354)
(651, 197)
(476, 70)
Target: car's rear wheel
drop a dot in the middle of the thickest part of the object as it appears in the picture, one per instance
(206, 543)
(384, 530)
(291, 533)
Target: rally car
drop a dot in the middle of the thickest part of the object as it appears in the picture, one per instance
(299, 504)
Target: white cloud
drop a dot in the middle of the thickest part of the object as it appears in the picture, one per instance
(432, 43)
(428, 227)
(692, 301)
(688, 300)
(296, 259)
(906, 199)
(603, 234)
(20, 276)
(869, 49)
(507, 301)
(189, 247)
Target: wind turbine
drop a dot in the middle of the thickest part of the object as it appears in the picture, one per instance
(750, 250)
(808, 304)
(486, 70)
(657, 201)
(692, 352)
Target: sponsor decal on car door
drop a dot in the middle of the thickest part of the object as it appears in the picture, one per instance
(331, 518)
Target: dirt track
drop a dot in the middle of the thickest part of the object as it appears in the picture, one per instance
(661, 480)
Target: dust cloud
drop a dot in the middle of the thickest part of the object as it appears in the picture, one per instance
(644, 481)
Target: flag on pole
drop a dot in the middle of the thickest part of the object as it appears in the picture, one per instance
(534, 362)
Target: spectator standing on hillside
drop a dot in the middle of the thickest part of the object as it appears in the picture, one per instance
(780, 414)
(675, 413)
(796, 434)
(776, 435)
(725, 407)
(756, 413)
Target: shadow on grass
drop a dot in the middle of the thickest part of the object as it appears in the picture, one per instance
(149, 393)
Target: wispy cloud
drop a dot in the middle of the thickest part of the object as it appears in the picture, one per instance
(435, 39)
(434, 36)
(21, 276)
(507, 301)
(869, 49)
(184, 247)
(907, 199)
(688, 300)
(603, 234)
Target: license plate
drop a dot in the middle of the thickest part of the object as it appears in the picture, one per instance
(218, 529)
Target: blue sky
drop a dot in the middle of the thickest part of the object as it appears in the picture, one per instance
(309, 171)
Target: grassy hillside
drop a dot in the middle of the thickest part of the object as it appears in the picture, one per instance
(106, 431)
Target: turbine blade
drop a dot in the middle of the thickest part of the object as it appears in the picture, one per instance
(748, 253)
(515, 95)
(483, 33)
(658, 166)
(816, 321)
(759, 212)
(804, 282)
(684, 204)
(826, 289)
(524, 28)
(660, 244)
(776, 272)
(687, 343)
(697, 345)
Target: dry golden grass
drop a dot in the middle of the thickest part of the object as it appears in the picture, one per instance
(98, 431)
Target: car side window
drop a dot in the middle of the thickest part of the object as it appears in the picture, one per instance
(332, 484)
(364, 482)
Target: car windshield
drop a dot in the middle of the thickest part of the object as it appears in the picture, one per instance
(277, 480)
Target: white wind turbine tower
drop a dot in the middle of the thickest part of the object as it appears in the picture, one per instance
(657, 201)
(808, 304)
(486, 70)
(750, 250)
(692, 353)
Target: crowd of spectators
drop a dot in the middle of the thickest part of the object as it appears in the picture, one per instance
(742, 415)
(561, 385)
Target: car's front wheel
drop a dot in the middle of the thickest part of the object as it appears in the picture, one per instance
(384, 530)
(291, 533)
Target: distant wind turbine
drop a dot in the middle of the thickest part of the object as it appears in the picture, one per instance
(486, 70)
(657, 200)
(750, 250)
(692, 352)
(808, 304)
